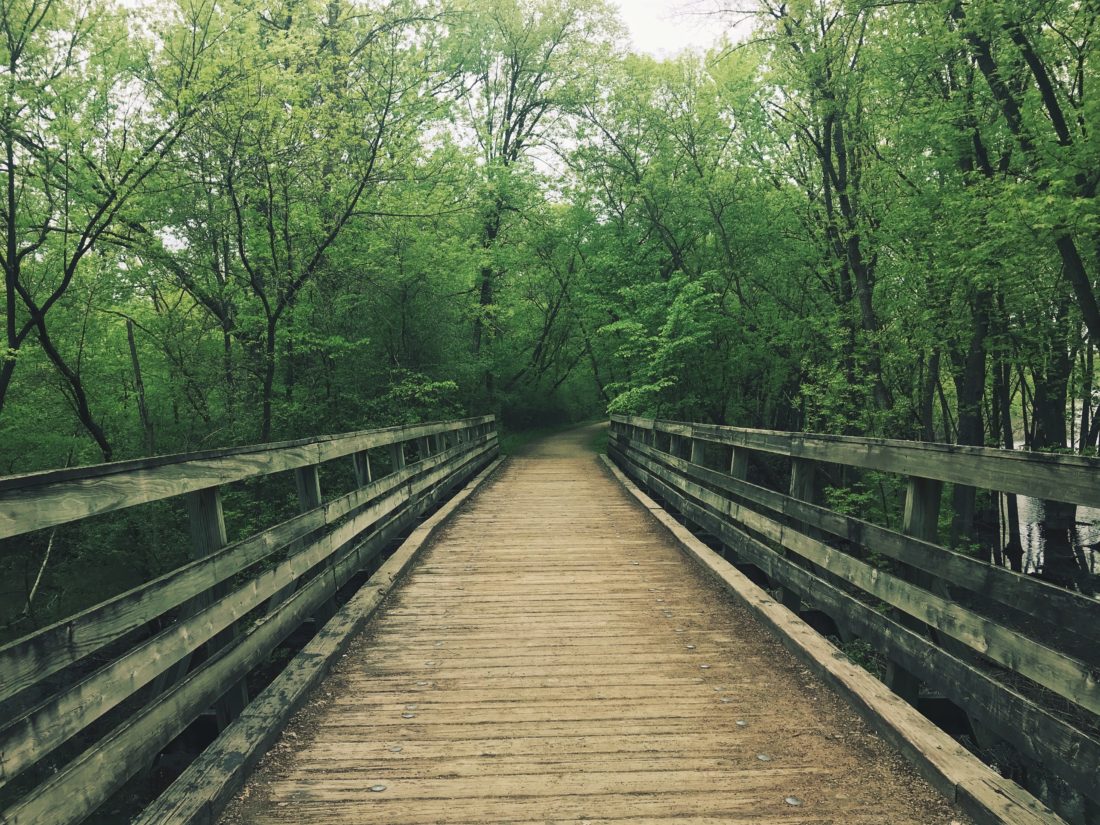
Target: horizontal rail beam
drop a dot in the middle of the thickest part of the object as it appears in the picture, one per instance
(34, 735)
(1042, 600)
(1068, 478)
(40, 654)
(1056, 671)
(40, 500)
(1034, 729)
(88, 780)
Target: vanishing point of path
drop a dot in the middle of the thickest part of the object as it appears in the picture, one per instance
(553, 657)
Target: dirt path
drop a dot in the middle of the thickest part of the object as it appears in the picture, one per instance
(553, 657)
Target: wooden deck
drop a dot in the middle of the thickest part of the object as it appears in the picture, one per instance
(554, 657)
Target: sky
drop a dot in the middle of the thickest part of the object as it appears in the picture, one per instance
(664, 27)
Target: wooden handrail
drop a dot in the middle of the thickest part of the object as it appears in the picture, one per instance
(975, 632)
(1054, 476)
(235, 601)
(36, 501)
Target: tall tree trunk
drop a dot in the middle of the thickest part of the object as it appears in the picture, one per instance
(1058, 525)
(11, 271)
(76, 386)
(970, 388)
(268, 379)
(1014, 548)
(227, 368)
(1086, 395)
(139, 390)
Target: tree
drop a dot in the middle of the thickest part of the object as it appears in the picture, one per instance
(90, 111)
(526, 64)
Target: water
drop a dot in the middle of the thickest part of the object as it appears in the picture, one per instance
(1084, 537)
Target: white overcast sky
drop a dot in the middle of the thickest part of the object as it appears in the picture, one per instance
(665, 27)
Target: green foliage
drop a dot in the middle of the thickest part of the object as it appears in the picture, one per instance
(233, 224)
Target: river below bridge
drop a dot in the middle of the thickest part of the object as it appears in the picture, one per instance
(1085, 538)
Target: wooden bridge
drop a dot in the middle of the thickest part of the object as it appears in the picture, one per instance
(556, 637)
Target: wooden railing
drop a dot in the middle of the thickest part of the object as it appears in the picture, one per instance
(1019, 655)
(87, 703)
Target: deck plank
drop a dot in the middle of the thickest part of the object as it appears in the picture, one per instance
(554, 657)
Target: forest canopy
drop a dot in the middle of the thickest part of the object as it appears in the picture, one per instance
(237, 221)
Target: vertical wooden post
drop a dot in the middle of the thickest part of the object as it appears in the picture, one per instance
(739, 462)
(698, 451)
(207, 522)
(922, 509)
(921, 520)
(739, 468)
(208, 536)
(424, 447)
(804, 488)
(361, 462)
(397, 456)
(308, 482)
(803, 479)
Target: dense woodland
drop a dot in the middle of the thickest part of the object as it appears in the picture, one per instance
(241, 221)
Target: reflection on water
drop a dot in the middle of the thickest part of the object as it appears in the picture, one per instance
(1082, 546)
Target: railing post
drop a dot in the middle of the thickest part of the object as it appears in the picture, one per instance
(804, 488)
(921, 520)
(424, 447)
(308, 482)
(739, 463)
(361, 462)
(207, 522)
(698, 451)
(397, 456)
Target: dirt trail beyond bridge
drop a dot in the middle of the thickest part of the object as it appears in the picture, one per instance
(554, 657)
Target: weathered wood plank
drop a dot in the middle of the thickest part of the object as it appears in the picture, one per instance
(87, 781)
(47, 651)
(36, 501)
(200, 793)
(617, 731)
(1035, 730)
(943, 761)
(1063, 608)
(35, 734)
(1063, 674)
(1042, 475)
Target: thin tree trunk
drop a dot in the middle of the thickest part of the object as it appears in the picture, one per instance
(1086, 396)
(80, 397)
(268, 379)
(1014, 548)
(139, 389)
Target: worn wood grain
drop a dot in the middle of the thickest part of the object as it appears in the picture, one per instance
(36, 501)
(1066, 609)
(39, 655)
(553, 657)
(1043, 475)
(991, 799)
(200, 793)
(79, 787)
(1069, 677)
(1035, 730)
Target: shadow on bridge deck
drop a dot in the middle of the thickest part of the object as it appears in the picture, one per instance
(554, 657)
